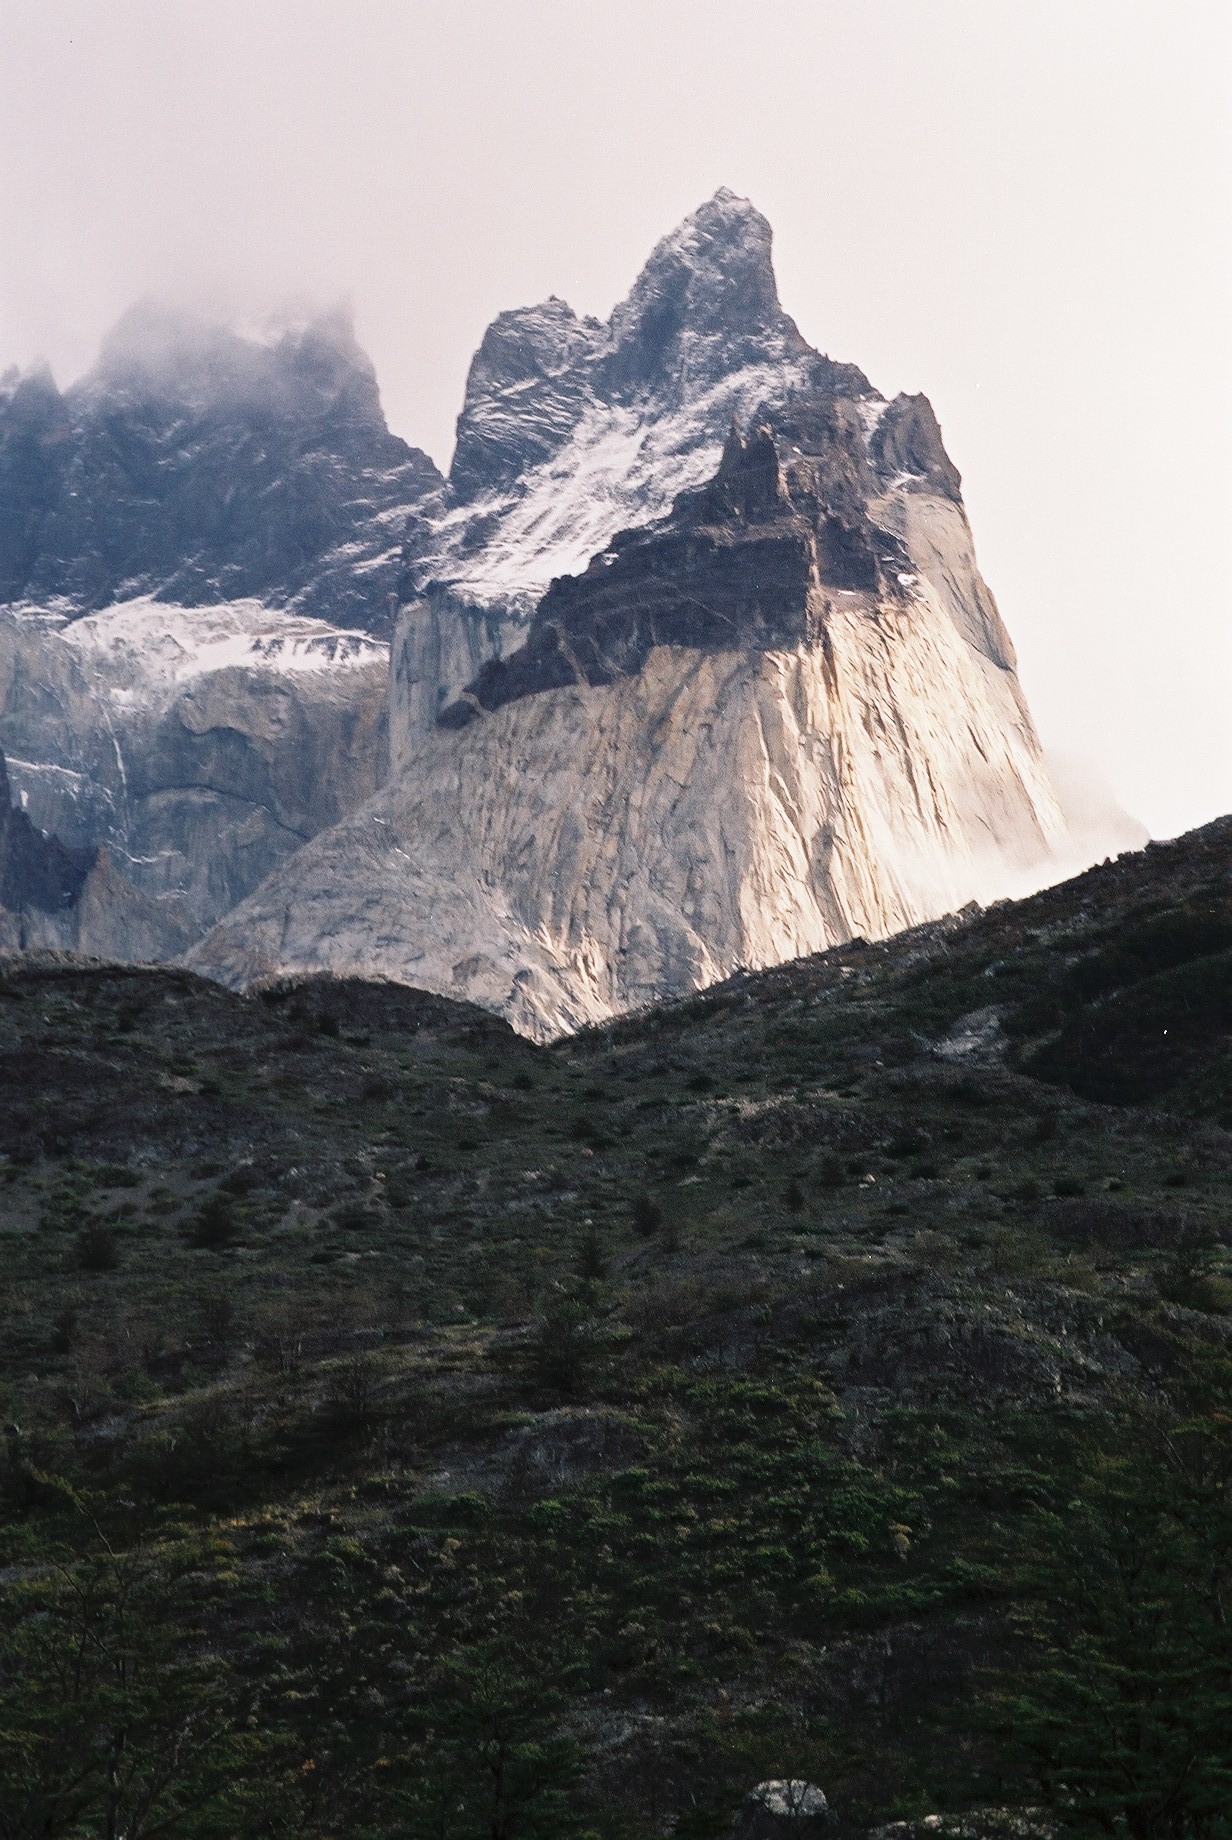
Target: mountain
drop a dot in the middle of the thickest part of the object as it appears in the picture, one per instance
(775, 708)
(194, 465)
(690, 664)
(172, 529)
(827, 1378)
(572, 430)
(194, 747)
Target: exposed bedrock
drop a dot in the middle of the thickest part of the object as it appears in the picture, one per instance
(197, 465)
(796, 508)
(197, 748)
(586, 850)
(573, 430)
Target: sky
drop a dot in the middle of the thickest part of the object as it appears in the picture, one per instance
(1024, 211)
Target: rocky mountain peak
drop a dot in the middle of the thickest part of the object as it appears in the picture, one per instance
(706, 300)
(573, 429)
(202, 464)
(314, 370)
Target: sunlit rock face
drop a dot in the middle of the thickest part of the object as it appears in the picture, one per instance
(585, 850)
(692, 666)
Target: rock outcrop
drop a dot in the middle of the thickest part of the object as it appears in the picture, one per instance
(596, 848)
(801, 510)
(195, 748)
(573, 430)
(694, 668)
(783, 1808)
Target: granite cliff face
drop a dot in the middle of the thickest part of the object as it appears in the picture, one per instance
(40, 880)
(773, 706)
(194, 747)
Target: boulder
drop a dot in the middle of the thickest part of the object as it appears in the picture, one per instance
(781, 1808)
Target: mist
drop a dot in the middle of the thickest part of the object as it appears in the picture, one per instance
(1023, 212)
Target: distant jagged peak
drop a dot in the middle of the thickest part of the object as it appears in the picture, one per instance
(205, 461)
(161, 349)
(527, 343)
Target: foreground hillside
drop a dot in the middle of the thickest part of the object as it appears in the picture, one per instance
(413, 1431)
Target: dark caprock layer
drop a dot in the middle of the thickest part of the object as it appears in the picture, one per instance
(736, 564)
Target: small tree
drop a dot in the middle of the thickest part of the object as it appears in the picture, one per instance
(109, 1724)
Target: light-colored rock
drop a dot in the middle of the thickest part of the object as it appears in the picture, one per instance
(973, 1824)
(585, 851)
(780, 1808)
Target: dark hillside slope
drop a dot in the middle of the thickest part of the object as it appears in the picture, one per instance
(414, 1431)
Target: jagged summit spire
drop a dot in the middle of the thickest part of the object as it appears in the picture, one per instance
(712, 277)
(703, 311)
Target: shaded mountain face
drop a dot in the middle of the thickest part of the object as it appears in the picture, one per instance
(197, 466)
(36, 871)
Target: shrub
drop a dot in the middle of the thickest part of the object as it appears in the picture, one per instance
(214, 1225)
(96, 1248)
(647, 1215)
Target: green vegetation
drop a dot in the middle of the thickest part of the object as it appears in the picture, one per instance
(414, 1432)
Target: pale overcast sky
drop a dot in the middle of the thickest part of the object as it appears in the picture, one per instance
(1020, 207)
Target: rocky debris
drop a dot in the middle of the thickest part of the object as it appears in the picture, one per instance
(976, 1039)
(780, 1808)
(975, 1824)
(198, 466)
(552, 1451)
